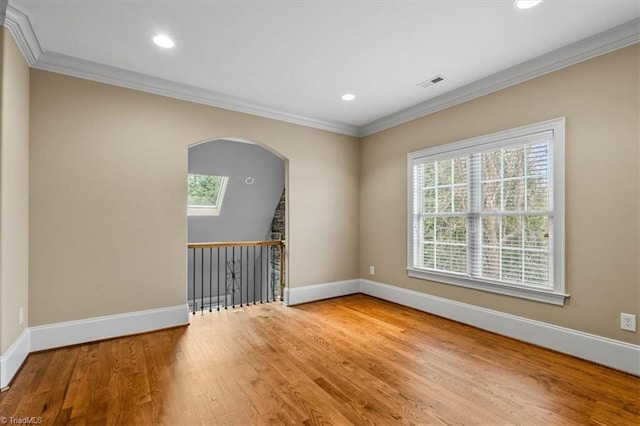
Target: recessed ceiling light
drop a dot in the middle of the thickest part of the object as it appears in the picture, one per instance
(526, 4)
(348, 97)
(163, 41)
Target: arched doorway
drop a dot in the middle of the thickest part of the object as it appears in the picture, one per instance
(236, 207)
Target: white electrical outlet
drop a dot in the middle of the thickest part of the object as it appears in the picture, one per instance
(21, 315)
(628, 322)
(372, 270)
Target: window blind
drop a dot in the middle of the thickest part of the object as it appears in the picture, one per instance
(485, 212)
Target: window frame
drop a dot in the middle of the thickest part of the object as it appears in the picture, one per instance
(198, 210)
(555, 295)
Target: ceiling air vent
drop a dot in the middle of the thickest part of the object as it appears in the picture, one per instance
(431, 81)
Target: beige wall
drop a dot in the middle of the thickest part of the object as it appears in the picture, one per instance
(108, 171)
(108, 196)
(599, 99)
(14, 191)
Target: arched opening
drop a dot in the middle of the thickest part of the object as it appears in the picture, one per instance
(236, 221)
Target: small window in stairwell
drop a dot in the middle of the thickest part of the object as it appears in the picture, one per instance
(205, 194)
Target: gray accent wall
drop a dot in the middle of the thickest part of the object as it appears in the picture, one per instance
(247, 210)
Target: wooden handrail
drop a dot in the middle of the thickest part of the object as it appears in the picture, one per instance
(278, 243)
(236, 243)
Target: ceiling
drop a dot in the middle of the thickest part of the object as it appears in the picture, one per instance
(293, 60)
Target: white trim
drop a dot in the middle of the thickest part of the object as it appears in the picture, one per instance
(81, 68)
(607, 41)
(17, 20)
(558, 196)
(12, 359)
(612, 353)
(202, 211)
(515, 136)
(530, 293)
(554, 128)
(601, 350)
(312, 293)
(98, 328)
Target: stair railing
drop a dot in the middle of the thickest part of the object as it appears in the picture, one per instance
(234, 273)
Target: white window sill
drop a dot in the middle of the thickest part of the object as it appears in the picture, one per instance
(539, 295)
(203, 211)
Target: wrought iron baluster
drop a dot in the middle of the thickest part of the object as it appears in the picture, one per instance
(254, 275)
(201, 281)
(194, 282)
(267, 265)
(267, 269)
(226, 260)
(241, 274)
(218, 276)
(233, 278)
(281, 271)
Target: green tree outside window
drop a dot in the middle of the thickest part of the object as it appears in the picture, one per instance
(204, 190)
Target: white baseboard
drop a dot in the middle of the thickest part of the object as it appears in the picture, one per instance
(13, 358)
(91, 329)
(612, 353)
(615, 354)
(311, 293)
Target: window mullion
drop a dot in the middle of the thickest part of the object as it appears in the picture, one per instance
(474, 232)
(525, 180)
(436, 203)
(523, 246)
(418, 207)
(494, 205)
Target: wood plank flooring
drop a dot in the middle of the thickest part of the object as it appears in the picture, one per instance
(349, 361)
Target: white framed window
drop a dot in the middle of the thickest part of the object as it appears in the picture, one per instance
(205, 194)
(488, 213)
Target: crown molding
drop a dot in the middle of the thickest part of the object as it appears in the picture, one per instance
(63, 64)
(18, 22)
(20, 26)
(599, 44)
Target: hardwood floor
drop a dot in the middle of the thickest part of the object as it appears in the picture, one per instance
(353, 360)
